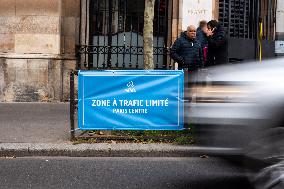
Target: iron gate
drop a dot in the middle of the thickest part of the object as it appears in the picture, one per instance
(241, 19)
(115, 34)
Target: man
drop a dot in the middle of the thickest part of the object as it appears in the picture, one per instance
(217, 44)
(187, 51)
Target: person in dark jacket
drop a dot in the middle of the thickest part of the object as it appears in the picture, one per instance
(217, 44)
(201, 36)
(187, 51)
(201, 33)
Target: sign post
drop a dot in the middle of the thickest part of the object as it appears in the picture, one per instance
(130, 100)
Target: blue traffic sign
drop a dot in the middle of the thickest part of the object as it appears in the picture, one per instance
(130, 100)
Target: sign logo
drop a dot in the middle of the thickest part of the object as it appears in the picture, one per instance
(130, 87)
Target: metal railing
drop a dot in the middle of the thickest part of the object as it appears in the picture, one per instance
(122, 57)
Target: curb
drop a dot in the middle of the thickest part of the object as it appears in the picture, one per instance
(111, 150)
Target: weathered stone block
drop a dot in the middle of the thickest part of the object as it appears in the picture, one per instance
(23, 92)
(67, 68)
(8, 24)
(180, 7)
(55, 78)
(38, 7)
(37, 43)
(16, 63)
(38, 24)
(69, 65)
(69, 26)
(69, 45)
(175, 9)
(7, 42)
(77, 31)
(30, 24)
(21, 76)
(42, 76)
(215, 9)
(34, 64)
(32, 77)
(180, 26)
(62, 50)
(66, 85)
(174, 28)
(7, 8)
(11, 75)
(23, 80)
(39, 67)
(2, 77)
(71, 8)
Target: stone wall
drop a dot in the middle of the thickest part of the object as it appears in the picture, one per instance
(30, 26)
(37, 48)
(70, 25)
(28, 80)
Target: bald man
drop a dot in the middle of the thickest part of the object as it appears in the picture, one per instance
(187, 51)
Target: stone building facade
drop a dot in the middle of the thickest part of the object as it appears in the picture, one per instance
(37, 48)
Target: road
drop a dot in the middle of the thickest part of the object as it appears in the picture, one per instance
(120, 173)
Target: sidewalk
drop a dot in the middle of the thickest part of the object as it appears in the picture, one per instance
(42, 129)
(34, 122)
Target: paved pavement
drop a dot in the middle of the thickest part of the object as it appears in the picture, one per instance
(34, 122)
(42, 129)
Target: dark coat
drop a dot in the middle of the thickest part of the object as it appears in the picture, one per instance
(201, 37)
(187, 52)
(217, 47)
